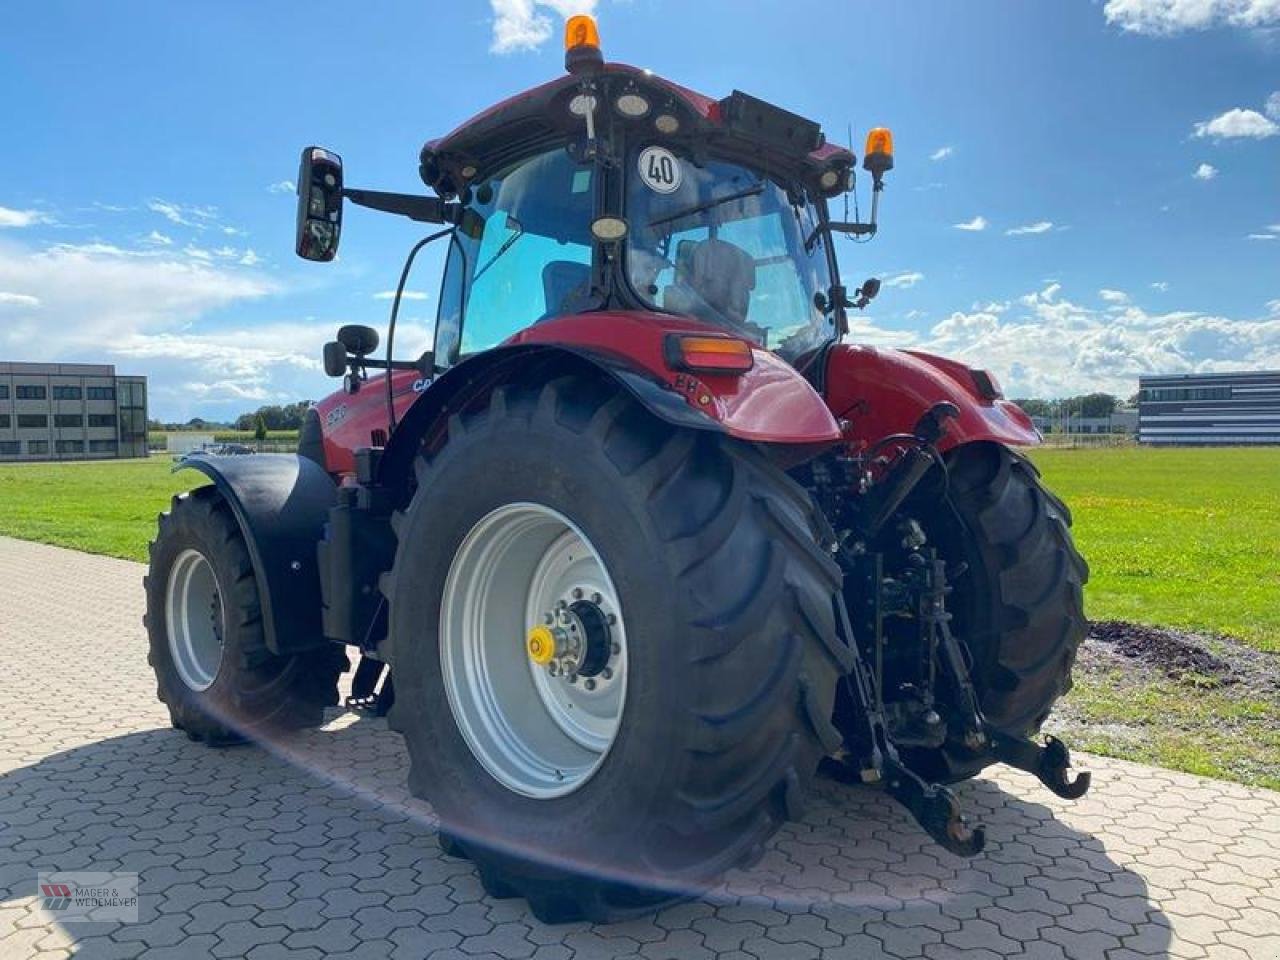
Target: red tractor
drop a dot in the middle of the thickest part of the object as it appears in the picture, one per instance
(642, 543)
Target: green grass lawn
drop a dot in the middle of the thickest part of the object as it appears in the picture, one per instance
(1183, 537)
(104, 507)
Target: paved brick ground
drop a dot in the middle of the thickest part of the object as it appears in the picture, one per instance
(315, 849)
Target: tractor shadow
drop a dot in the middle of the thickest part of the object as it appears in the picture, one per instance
(315, 842)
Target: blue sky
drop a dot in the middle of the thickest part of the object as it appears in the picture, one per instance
(1121, 159)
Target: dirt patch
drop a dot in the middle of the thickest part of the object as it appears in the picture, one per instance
(1196, 659)
(1178, 655)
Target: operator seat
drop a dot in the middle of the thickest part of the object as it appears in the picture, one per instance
(566, 285)
(713, 281)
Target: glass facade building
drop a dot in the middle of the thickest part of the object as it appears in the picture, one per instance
(71, 411)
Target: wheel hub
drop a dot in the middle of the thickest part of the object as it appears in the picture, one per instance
(578, 643)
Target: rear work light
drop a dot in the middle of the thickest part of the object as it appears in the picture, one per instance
(708, 354)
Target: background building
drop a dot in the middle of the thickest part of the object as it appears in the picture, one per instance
(1210, 408)
(70, 411)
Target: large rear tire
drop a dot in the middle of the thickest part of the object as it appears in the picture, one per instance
(207, 646)
(1019, 604)
(723, 643)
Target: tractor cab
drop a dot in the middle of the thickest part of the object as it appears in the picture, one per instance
(612, 190)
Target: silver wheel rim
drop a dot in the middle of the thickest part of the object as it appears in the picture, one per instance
(540, 729)
(193, 611)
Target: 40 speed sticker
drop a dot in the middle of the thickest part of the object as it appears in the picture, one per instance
(660, 170)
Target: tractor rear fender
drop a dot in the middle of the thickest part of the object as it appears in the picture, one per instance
(876, 393)
(281, 502)
(771, 404)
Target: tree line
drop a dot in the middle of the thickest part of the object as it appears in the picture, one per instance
(1084, 405)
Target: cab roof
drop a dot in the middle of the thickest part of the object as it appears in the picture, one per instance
(539, 118)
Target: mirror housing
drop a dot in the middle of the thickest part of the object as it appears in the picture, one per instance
(319, 218)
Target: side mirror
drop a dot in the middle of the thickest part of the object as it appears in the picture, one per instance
(319, 204)
(866, 293)
(335, 359)
(357, 340)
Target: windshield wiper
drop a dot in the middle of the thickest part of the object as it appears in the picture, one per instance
(512, 224)
(754, 190)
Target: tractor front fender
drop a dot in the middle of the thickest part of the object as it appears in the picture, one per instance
(280, 502)
(882, 392)
(772, 404)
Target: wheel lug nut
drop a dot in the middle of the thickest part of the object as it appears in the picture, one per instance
(590, 684)
(577, 593)
(607, 673)
(611, 619)
(573, 678)
(615, 648)
(597, 599)
(548, 618)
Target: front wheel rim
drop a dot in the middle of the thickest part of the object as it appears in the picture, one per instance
(194, 615)
(541, 729)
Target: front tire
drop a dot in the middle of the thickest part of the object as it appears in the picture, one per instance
(207, 646)
(724, 654)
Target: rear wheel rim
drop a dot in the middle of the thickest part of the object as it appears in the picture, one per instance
(534, 730)
(194, 615)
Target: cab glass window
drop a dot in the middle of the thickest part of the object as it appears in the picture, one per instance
(522, 254)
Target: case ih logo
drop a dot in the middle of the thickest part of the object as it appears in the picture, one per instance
(56, 895)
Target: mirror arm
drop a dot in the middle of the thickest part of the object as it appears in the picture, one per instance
(422, 209)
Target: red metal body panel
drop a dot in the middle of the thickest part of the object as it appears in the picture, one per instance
(770, 403)
(881, 392)
(875, 392)
(348, 421)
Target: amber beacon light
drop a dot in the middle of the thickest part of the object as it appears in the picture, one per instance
(877, 158)
(581, 44)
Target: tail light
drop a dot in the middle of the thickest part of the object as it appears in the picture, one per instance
(708, 354)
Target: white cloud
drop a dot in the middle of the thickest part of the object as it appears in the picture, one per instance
(186, 216)
(407, 295)
(1166, 17)
(527, 25)
(941, 153)
(1262, 236)
(1040, 226)
(249, 258)
(21, 218)
(1113, 296)
(1273, 308)
(904, 280)
(159, 239)
(1236, 123)
(18, 299)
(977, 223)
(1206, 171)
(1160, 285)
(100, 302)
(283, 186)
(1045, 345)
